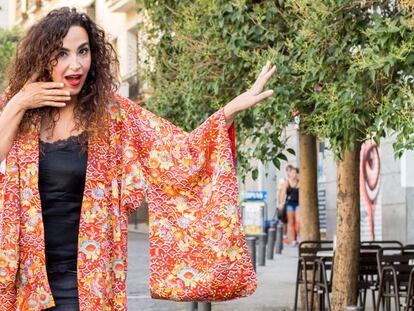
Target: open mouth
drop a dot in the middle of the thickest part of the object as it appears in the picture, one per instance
(73, 80)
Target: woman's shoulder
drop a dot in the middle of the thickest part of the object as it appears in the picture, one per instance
(284, 183)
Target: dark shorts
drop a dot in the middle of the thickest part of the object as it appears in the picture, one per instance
(64, 286)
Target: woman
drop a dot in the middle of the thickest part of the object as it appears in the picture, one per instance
(289, 200)
(78, 159)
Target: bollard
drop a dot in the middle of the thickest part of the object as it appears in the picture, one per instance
(262, 249)
(271, 243)
(204, 306)
(251, 245)
(192, 306)
(279, 238)
(136, 220)
(353, 308)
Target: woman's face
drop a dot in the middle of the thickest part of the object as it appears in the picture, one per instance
(74, 60)
(293, 173)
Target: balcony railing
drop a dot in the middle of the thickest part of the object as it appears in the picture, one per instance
(18, 9)
(33, 4)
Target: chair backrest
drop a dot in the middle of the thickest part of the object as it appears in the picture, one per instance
(402, 262)
(309, 251)
(409, 248)
(312, 248)
(385, 243)
(368, 266)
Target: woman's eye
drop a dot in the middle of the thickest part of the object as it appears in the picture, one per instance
(84, 50)
(61, 54)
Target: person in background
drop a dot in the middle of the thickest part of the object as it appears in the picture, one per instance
(289, 201)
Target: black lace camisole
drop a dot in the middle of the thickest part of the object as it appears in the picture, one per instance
(62, 173)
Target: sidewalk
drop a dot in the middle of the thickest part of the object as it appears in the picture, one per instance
(275, 292)
(276, 286)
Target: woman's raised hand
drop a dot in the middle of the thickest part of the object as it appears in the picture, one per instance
(251, 97)
(39, 94)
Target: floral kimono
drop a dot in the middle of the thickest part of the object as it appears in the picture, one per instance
(197, 244)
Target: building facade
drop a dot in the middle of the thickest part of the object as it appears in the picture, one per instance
(4, 13)
(386, 189)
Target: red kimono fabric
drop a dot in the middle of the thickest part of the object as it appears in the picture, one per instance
(197, 244)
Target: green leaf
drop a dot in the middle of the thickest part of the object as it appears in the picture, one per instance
(291, 151)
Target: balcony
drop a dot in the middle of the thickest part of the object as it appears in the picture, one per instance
(34, 4)
(121, 6)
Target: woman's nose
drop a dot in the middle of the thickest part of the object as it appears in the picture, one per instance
(75, 63)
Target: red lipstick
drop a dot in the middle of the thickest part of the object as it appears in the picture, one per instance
(73, 80)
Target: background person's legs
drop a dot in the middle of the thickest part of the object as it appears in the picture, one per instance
(291, 225)
(297, 222)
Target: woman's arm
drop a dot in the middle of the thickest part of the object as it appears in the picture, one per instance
(32, 95)
(282, 194)
(250, 97)
(10, 120)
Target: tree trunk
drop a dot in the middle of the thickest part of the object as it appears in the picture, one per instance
(346, 265)
(308, 198)
(308, 190)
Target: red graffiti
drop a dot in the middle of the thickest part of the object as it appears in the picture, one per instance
(369, 181)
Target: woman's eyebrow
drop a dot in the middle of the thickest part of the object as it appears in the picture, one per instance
(80, 46)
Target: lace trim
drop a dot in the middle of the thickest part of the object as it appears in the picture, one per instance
(78, 139)
(64, 141)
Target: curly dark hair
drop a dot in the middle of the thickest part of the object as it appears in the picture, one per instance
(36, 53)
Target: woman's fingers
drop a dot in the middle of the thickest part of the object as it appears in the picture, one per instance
(56, 98)
(270, 73)
(54, 104)
(263, 95)
(264, 76)
(52, 85)
(56, 92)
(263, 80)
(264, 69)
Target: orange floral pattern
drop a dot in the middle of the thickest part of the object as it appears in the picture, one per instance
(197, 245)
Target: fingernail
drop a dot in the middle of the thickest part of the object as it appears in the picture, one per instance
(62, 85)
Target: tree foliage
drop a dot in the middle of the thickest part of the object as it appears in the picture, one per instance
(209, 52)
(345, 66)
(8, 43)
(354, 61)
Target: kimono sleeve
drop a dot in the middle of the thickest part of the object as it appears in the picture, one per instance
(9, 229)
(2, 163)
(156, 152)
(171, 157)
(194, 220)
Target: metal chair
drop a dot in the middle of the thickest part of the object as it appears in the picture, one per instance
(409, 301)
(307, 254)
(395, 266)
(368, 274)
(323, 270)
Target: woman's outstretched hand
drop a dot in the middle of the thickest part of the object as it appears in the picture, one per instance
(251, 97)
